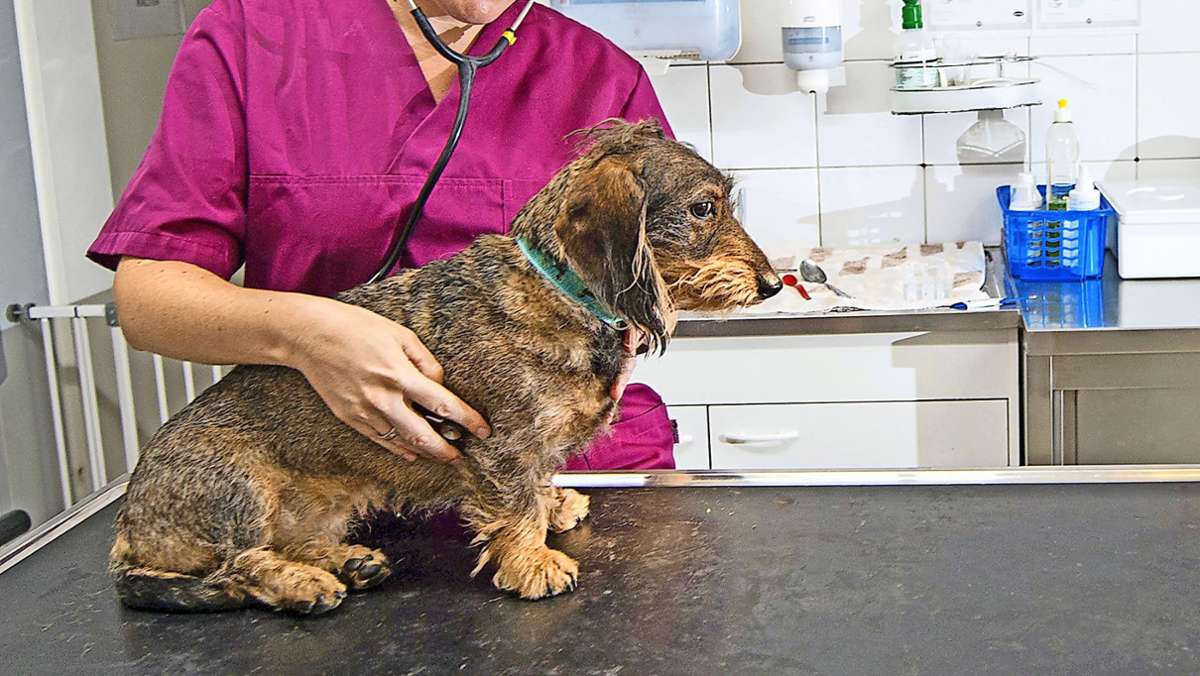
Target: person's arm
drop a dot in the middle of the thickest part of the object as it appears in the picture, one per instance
(366, 368)
(177, 233)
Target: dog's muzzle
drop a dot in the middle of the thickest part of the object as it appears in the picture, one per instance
(769, 285)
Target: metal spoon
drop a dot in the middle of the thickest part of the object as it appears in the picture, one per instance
(811, 272)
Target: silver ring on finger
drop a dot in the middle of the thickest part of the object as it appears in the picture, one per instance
(390, 434)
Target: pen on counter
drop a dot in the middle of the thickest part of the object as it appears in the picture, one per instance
(983, 304)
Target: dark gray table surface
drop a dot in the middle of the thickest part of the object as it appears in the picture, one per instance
(995, 579)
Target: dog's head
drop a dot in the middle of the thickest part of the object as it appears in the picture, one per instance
(649, 226)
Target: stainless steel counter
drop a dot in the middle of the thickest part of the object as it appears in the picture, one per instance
(1108, 304)
(1112, 369)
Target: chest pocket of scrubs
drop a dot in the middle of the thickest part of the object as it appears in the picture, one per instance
(517, 192)
(324, 234)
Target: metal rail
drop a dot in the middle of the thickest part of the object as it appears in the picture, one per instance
(1097, 474)
(77, 318)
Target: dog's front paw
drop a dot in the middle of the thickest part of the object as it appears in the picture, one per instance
(538, 574)
(570, 510)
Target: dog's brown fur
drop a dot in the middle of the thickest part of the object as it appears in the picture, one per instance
(247, 494)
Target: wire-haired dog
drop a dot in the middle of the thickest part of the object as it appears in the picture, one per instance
(247, 494)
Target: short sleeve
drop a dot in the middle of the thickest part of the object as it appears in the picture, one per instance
(643, 104)
(187, 199)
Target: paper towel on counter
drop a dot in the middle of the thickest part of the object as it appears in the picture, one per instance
(896, 277)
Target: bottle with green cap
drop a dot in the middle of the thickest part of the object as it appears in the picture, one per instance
(916, 54)
(1062, 158)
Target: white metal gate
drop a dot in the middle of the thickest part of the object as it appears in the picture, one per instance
(75, 317)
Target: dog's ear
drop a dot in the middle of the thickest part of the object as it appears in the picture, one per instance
(602, 231)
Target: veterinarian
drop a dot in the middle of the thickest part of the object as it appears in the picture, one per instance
(294, 136)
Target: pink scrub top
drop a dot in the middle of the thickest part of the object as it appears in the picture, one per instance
(295, 135)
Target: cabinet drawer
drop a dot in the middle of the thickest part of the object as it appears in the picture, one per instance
(968, 365)
(691, 451)
(957, 434)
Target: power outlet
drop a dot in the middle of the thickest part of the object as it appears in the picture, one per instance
(134, 19)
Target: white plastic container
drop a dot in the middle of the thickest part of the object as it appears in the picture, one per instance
(1158, 228)
(705, 29)
(812, 41)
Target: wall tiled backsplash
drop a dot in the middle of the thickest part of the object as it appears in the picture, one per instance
(844, 170)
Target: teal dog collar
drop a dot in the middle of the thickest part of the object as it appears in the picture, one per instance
(565, 280)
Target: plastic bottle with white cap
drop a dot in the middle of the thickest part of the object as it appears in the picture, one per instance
(1062, 158)
(1025, 196)
(1085, 196)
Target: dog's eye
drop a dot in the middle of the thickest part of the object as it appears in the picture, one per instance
(703, 209)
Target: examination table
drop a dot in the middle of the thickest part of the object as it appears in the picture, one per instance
(1028, 570)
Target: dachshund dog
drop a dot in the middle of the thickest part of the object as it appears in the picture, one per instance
(246, 496)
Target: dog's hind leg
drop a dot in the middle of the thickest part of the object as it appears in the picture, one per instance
(314, 517)
(358, 567)
(272, 580)
(513, 534)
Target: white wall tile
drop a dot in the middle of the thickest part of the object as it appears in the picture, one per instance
(1101, 93)
(870, 27)
(857, 127)
(761, 39)
(870, 186)
(990, 44)
(760, 120)
(1169, 26)
(781, 208)
(942, 133)
(683, 92)
(961, 201)
(1168, 106)
(1122, 170)
(871, 205)
(1169, 170)
(1076, 45)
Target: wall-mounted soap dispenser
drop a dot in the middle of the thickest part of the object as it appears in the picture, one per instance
(812, 43)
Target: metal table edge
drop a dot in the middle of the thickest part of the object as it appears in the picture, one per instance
(61, 524)
(1095, 474)
(1083, 474)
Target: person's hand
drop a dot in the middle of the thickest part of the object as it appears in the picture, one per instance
(369, 370)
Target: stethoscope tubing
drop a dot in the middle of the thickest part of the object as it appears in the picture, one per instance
(468, 67)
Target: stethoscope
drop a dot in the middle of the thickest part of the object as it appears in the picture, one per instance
(468, 66)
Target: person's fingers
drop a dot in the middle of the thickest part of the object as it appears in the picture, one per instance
(415, 433)
(446, 405)
(380, 431)
(421, 357)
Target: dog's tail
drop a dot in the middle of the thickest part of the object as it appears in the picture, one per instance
(175, 592)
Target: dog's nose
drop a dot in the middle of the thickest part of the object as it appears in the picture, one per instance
(769, 285)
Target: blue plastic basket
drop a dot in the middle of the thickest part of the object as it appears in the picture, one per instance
(1054, 245)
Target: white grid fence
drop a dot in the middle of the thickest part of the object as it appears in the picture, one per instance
(75, 319)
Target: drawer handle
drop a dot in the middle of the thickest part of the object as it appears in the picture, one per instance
(777, 438)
